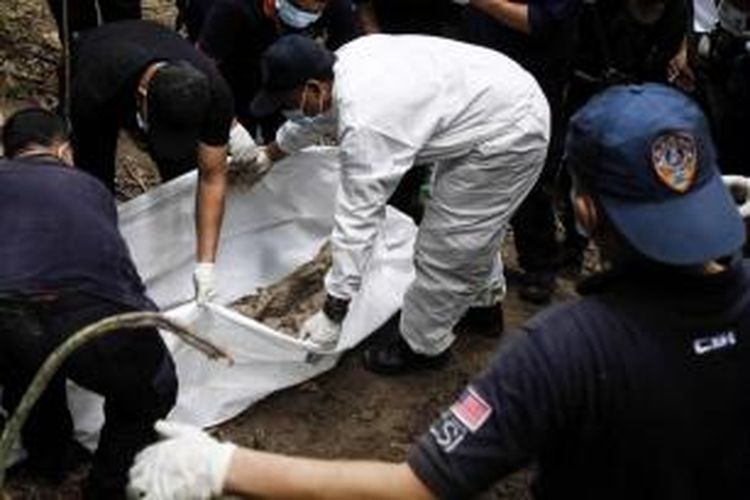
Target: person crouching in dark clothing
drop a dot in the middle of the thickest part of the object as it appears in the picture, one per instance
(64, 265)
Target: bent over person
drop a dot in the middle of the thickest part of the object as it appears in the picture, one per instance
(639, 389)
(478, 115)
(63, 266)
(144, 78)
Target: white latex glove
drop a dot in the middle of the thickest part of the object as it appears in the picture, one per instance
(204, 282)
(254, 168)
(188, 465)
(262, 162)
(321, 332)
(739, 186)
(242, 147)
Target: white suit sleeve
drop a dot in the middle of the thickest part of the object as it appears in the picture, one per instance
(293, 137)
(372, 165)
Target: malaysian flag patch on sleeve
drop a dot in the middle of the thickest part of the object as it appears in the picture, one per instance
(471, 409)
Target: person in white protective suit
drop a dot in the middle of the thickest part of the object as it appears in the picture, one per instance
(392, 101)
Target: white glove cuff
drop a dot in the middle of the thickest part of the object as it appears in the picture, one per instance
(262, 159)
(235, 132)
(204, 267)
(223, 453)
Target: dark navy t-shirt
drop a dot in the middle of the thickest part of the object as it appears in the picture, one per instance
(60, 233)
(639, 390)
(546, 52)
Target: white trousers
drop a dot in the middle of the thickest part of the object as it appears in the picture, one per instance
(456, 255)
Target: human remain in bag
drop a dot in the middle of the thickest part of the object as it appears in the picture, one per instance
(397, 101)
(640, 389)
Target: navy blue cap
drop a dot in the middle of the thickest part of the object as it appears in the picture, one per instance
(286, 64)
(645, 152)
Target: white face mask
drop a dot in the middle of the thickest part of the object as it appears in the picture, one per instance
(298, 115)
(293, 16)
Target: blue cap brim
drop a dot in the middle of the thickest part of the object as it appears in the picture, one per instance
(686, 230)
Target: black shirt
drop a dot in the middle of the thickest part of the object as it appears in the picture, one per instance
(546, 52)
(237, 32)
(639, 52)
(639, 390)
(60, 233)
(107, 65)
(428, 17)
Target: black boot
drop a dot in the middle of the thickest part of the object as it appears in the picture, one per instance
(486, 321)
(395, 357)
(53, 467)
(537, 287)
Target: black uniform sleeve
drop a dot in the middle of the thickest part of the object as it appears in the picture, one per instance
(501, 420)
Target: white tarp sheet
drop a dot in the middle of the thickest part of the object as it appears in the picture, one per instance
(268, 231)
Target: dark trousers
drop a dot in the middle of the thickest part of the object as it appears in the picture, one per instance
(534, 225)
(84, 14)
(535, 232)
(132, 371)
(727, 96)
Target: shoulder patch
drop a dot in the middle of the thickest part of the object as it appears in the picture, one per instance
(471, 409)
(464, 417)
(448, 432)
(674, 158)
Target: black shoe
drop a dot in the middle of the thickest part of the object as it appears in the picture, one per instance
(54, 466)
(486, 321)
(537, 287)
(396, 358)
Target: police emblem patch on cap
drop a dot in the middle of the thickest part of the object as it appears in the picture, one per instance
(674, 158)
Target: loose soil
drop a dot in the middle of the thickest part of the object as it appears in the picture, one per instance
(347, 412)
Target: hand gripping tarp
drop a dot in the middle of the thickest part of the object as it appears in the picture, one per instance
(269, 230)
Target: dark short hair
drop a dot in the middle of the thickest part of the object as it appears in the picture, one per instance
(32, 126)
(179, 98)
(178, 93)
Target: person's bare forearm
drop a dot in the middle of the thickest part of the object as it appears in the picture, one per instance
(513, 14)
(264, 475)
(209, 209)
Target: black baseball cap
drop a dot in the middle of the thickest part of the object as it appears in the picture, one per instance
(286, 64)
(645, 152)
(178, 101)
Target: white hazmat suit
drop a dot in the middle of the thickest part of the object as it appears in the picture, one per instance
(408, 99)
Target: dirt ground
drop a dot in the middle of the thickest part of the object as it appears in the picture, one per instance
(347, 412)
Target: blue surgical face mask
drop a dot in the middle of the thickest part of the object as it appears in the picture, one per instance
(297, 116)
(293, 16)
